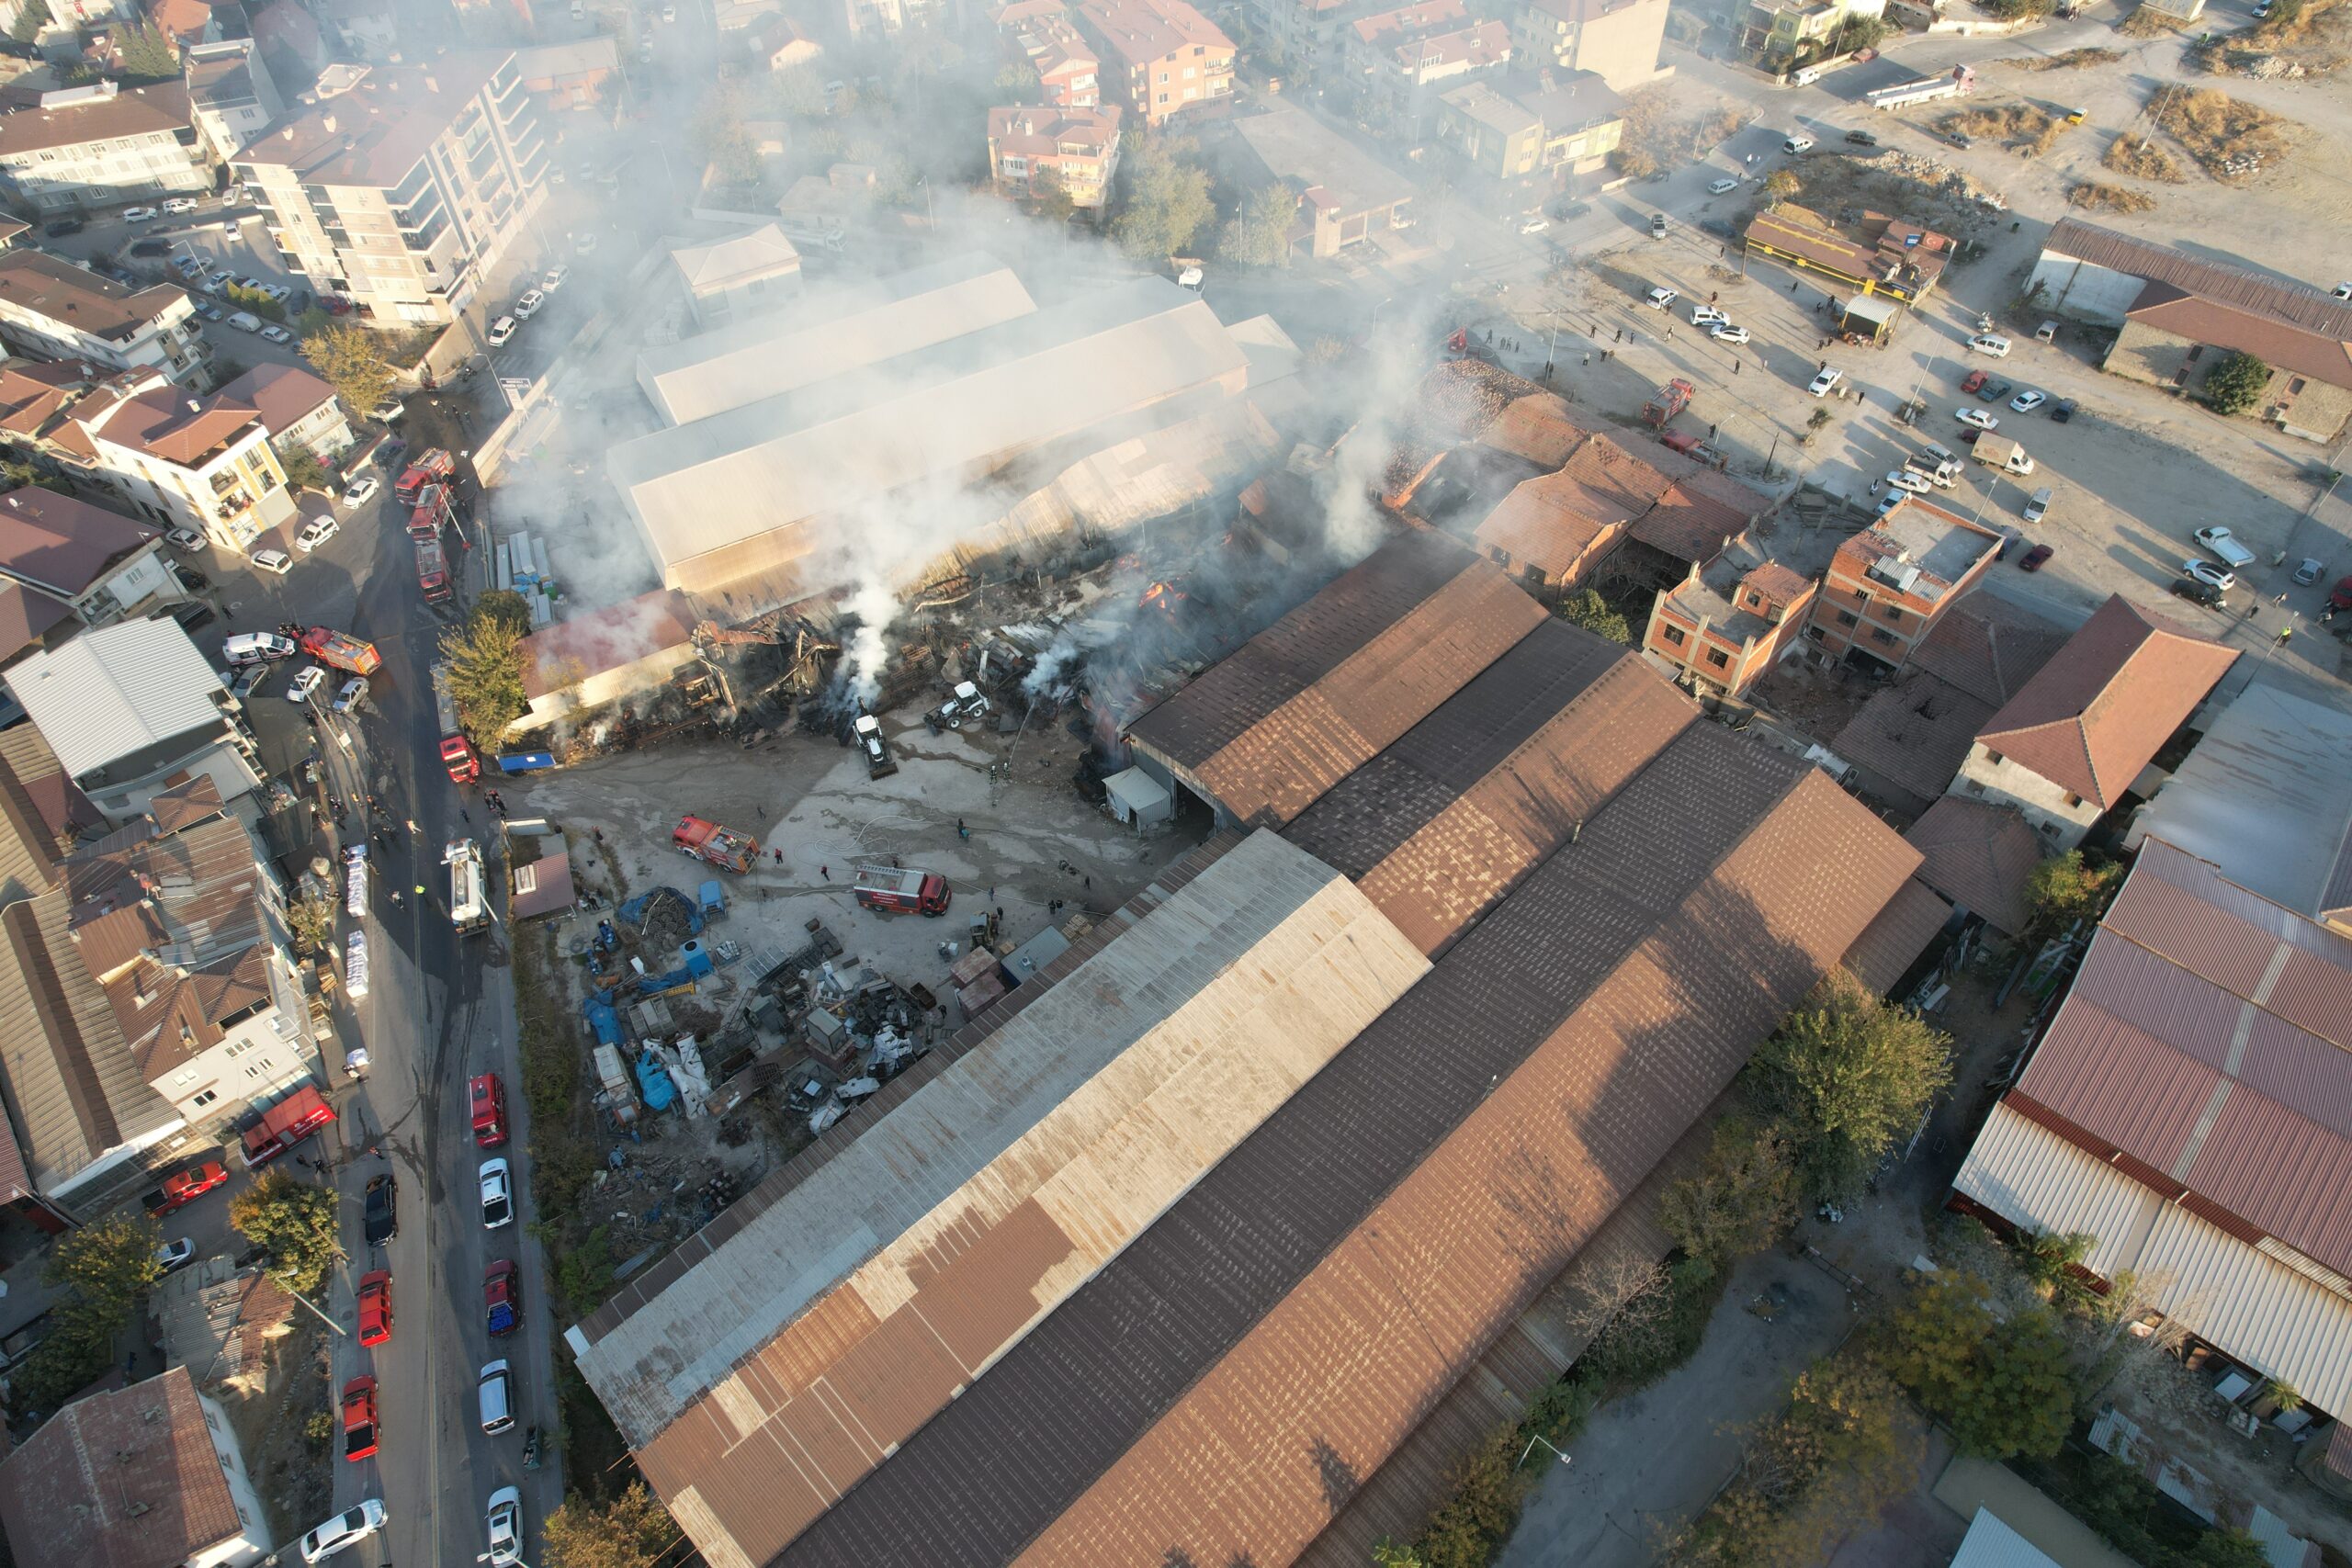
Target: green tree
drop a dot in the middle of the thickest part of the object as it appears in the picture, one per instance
(2050, 1259)
(583, 1275)
(1481, 1505)
(1017, 83)
(1258, 234)
(1742, 1199)
(99, 1273)
(303, 469)
(633, 1530)
(2237, 383)
(2228, 1548)
(1845, 1075)
(2067, 890)
(296, 1222)
(31, 18)
(1387, 1553)
(724, 144)
(313, 920)
(1858, 33)
(1166, 203)
(347, 356)
(1590, 610)
(485, 663)
(147, 54)
(2000, 1384)
(1837, 1454)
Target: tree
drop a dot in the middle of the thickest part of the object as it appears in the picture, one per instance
(1481, 1505)
(633, 1530)
(1258, 234)
(147, 54)
(799, 91)
(1590, 610)
(1845, 1075)
(485, 662)
(296, 1222)
(313, 920)
(1640, 150)
(1017, 83)
(2228, 1548)
(1783, 185)
(99, 1273)
(254, 299)
(724, 144)
(2237, 383)
(347, 356)
(31, 18)
(2000, 1384)
(1856, 33)
(1167, 201)
(2066, 891)
(303, 469)
(1835, 1456)
(1742, 1199)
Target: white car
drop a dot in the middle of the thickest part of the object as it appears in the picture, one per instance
(311, 678)
(1822, 383)
(528, 306)
(669, 12)
(506, 1527)
(585, 243)
(350, 696)
(2344, 290)
(1991, 344)
(1536, 225)
(1723, 332)
(1796, 144)
(340, 1531)
(1976, 417)
(554, 280)
(184, 539)
(1708, 316)
(363, 490)
(276, 334)
(2026, 402)
(497, 1195)
(176, 1255)
(1721, 187)
(139, 215)
(1662, 299)
(500, 331)
(1903, 479)
(316, 532)
(179, 207)
(277, 561)
(2212, 572)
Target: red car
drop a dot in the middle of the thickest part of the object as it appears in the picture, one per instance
(501, 1296)
(185, 1187)
(2036, 556)
(375, 1307)
(1974, 380)
(359, 1419)
(2341, 598)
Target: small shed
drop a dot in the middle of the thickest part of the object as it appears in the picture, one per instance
(1870, 318)
(1024, 961)
(1137, 799)
(542, 886)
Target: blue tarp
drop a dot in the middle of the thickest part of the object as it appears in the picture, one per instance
(604, 1019)
(638, 910)
(653, 1082)
(526, 761)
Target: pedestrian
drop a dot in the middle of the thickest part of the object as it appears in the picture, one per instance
(1735, 366)
(1090, 882)
(779, 856)
(2285, 633)
(1587, 356)
(1710, 433)
(2280, 600)
(1712, 297)
(1874, 485)
(991, 892)
(895, 865)
(826, 872)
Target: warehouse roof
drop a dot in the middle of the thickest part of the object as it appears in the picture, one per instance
(1324, 689)
(855, 1294)
(117, 689)
(572, 650)
(1405, 1200)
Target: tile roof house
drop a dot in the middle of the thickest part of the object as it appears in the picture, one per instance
(1033, 148)
(101, 564)
(299, 410)
(2191, 1108)
(1883, 256)
(1158, 57)
(56, 311)
(2067, 747)
(147, 1476)
(1980, 857)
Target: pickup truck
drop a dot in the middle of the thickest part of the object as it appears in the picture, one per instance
(501, 1296)
(359, 1419)
(186, 1187)
(383, 1210)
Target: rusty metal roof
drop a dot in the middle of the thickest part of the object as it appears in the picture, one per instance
(1269, 729)
(1216, 1390)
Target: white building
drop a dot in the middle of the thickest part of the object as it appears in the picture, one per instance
(50, 308)
(231, 93)
(200, 463)
(101, 564)
(402, 187)
(741, 275)
(299, 410)
(101, 146)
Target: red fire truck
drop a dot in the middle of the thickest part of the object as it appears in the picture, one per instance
(903, 892)
(709, 843)
(456, 752)
(285, 1124)
(343, 650)
(431, 467)
(431, 513)
(432, 567)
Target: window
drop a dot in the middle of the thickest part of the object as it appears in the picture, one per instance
(2073, 801)
(207, 1098)
(1190, 71)
(1673, 634)
(1992, 756)
(1163, 78)
(1847, 618)
(1719, 659)
(1893, 616)
(1880, 634)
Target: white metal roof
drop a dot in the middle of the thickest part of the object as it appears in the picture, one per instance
(117, 689)
(2280, 1320)
(725, 263)
(1993, 1544)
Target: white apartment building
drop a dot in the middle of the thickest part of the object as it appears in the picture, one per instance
(101, 146)
(231, 93)
(200, 463)
(299, 410)
(403, 186)
(50, 308)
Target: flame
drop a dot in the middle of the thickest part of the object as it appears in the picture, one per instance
(1162, 596)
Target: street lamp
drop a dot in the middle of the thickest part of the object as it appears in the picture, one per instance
(1565, 1461)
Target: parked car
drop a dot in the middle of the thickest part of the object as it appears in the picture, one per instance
(2197, 592)
(528, 306)
(1717, 227)
(179, 206)
(1708, 316)
(276, 334)
(1976, 418)
(497, 1194)
(505, 1524)
(1723, 332)
(175, 1256)
(1904, 479)
(2214, 572)
(1860, 139)
(1723, 187)
(375, 1306)
(380, 1209)
(1657, 225)
(1821, 385)
(500, 331)
(57, 229)
(2062, 410)
(1662, 299)
(184, 539)
(185, 1187)
(209, 310)
(192, 614)
(350, 696)
(306, 683)
(363, 490)
(2026, 402)
(1568, 209)
(150, 248)
(553, 278)
(316, 532)
(2340, 596)
(502, 1297)
(2309, 571)
(2032, 558)
(359, 1419)
(139, 214)
(1536, 225)
(249, 681)
(351, 1526)
(1796, 144)
(1991, 344)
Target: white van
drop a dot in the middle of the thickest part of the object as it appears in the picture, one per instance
(497, 1398)
(256, 647)
(245, 322)
(1796, 144)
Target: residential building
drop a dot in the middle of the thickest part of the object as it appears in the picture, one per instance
(1345, 194)
(402, 187)
(2178, 317)
(1890, 257)
(186, 23)
(148, 1476)
(1534, 129)
(1035, 149)
(1158, 57)
(1400, 90)
(1730, 621)
(1887, 584)
(572, 75)
(297, 409)
(780, 44)
(874, 19)
(742, 275)
(1069, 74)
(1366, 40)
(2070, 745)
(231, 93)
(1781, 30)
(200, 463)
(1980, 857)
(1553, 533)
(290, 41)
(100, 565)
(1308, 37)
(53, 310)
(1617, 40)
(101, 145)
(369, 28)
(134, 711)
(2185, 1110)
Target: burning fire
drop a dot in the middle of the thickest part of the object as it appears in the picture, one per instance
(1161, 597)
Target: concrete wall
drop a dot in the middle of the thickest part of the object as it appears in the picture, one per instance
(2005, 783)
(2084, 292)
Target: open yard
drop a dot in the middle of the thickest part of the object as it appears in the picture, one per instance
(2228, 138)
(2022, 128)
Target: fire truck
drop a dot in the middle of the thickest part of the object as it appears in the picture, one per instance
(469, 886)
(894, 891)
(722, 847)
(433, 513)
(343, 650)
(432, 567)
(456, 752)
(431, 467)
(285, 1124)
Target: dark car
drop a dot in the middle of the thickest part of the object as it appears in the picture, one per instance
(2036, 556)
(1718, 227)
(1996, 389)
(193, 579)
(1971, 436)
(59, 228)
(2198, 593)
(1958, 139)
(191, 615)
(1567, 209)
(383, 1210)
(1861, 139)
(2062, 410)
(152, 248)
(2340, 597)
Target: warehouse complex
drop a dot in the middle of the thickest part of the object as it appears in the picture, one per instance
(1285, 1146)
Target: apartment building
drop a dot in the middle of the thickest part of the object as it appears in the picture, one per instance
(231, 94)
(101, 565)
(1069, 74)
(50, 308)
(297, 409)
(1617, 40)
(101, 145)
(402, 188)
(1888, 584)
(200, 463)
(1033, 148)
(1400, 85)
(1158, 57)
(1541, 126)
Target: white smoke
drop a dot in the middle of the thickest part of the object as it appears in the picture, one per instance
(866, 653)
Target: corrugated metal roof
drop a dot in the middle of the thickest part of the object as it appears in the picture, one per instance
(766, 1380)
(117, 690)
(2294, 305)
(1992, 1545)
(2256, 1309)
(1890, 943)
(1300, 1310)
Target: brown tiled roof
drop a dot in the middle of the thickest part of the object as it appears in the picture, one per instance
(1891, 943)
(1541, 427)
(78, 298)
(167, 422)
(1690, 523)
(2099, 710)
(373, 133)
(1042, 130)
(284, 394)
(25, 616)
(1778, 583)
(1328, 685)
(25, 755)
(2291, 304)
(1914, 733)
(1136, 32)
(2283, 346)
(61, 544)
(183, 806)
(1211, 1394)
(1548, 521)
(1408, 20)
(126, 1479)
(1979, 856)
(1987, 647)
(133, 111)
